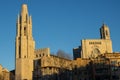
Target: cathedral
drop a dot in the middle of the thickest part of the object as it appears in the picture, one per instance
(94, 47)
(93, 59)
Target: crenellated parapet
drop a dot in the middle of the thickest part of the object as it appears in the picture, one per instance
(41, 53)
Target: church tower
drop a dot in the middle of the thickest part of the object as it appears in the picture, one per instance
(104, 31)
(25, 46)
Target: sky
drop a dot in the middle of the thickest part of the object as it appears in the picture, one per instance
(58, 24)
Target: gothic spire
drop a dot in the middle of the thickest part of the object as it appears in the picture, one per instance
(24, 13)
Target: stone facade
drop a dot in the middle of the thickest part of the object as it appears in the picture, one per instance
(104, 67)
(94, 47)
(39, 53)
(4, 73)
(51, 68)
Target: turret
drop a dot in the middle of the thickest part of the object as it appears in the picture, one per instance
(24, 13)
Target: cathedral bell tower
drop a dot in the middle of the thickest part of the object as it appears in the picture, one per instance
(104, 31)
(25, 46)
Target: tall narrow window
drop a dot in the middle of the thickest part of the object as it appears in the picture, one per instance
(19, 52)
(24, 31)
(106, 32)
(26, 17)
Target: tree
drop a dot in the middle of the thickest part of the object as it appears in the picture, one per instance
(63, 54)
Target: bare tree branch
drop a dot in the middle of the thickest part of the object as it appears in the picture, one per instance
(63, 54)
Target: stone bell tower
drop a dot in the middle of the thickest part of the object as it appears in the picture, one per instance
(104, 31)
(24, 47)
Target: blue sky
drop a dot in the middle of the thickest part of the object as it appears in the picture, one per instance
(58, 24)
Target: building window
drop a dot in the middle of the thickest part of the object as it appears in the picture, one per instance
(113, 62)
(119, 63)
(19, 52)
(106, 32)
(43, 54)
(39, 55)
(24, 56)
(26, 17)
(24, 31)
(36, 55)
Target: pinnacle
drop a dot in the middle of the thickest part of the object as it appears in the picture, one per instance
(24, 9)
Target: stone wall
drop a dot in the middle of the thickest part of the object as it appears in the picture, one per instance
(42, 52)
(4, 73)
